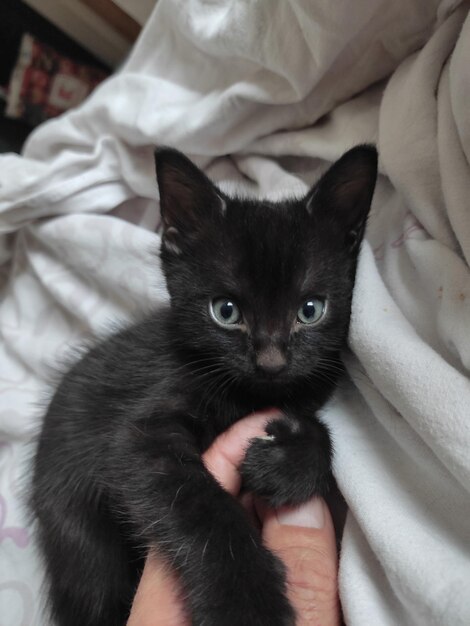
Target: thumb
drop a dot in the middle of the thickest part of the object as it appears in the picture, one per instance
(304, 539)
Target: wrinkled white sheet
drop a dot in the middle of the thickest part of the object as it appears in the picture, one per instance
(78, 215)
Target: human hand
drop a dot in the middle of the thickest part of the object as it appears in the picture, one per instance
(303, 538)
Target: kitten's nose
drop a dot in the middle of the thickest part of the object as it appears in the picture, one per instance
(271, 360)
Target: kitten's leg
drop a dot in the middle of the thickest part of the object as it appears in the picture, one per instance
(87, 566)
(291, 464)
(178, 509)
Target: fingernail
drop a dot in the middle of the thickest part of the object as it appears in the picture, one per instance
(308, 515)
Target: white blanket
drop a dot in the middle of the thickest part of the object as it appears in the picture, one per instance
(78, 215)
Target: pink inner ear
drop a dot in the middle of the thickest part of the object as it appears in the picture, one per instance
(352, 189)
(176, 192)
(347, 190)
(185, 199)
(344, 192)
(188, 198)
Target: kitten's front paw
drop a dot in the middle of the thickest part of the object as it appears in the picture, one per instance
(290, 464)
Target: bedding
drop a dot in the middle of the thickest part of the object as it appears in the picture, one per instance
(264, 95)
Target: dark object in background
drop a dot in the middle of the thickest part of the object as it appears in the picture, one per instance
(16, 18)
(260, 306)
(45, 83)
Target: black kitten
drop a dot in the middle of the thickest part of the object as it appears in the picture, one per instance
(260, 306)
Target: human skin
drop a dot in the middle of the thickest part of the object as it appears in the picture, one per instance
(302, 537)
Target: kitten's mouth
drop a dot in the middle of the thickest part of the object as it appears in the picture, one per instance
(271, 380)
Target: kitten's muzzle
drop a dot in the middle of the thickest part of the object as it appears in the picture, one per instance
(271, 360)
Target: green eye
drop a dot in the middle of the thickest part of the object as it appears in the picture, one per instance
(311, 311)
(225, 312)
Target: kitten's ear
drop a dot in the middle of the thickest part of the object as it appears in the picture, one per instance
(344, 193)
(187, 197)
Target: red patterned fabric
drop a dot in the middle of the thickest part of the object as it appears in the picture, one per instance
(45, 84)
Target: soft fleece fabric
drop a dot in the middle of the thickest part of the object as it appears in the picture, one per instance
(282, 88)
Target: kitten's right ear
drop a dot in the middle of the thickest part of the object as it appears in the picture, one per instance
(187, 198)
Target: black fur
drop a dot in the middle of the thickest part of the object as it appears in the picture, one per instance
(118, 467)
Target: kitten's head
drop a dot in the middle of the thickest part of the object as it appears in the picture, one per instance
(260, 289)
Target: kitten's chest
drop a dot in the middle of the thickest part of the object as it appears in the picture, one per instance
(214, 415)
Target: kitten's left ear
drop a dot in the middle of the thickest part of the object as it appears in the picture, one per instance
(187, 198)
(344, 193)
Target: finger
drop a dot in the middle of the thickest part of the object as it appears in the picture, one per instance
(227, 452)
(157, 601)
(304, 539)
